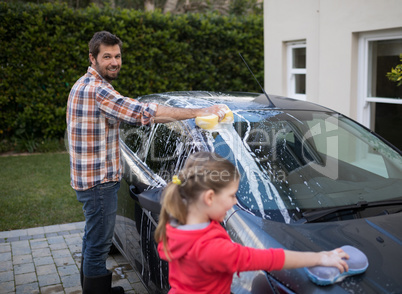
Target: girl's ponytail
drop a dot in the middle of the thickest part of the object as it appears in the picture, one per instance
(173, 206)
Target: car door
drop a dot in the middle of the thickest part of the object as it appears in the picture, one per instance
(150, 156)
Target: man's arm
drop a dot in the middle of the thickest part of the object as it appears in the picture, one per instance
(123, 108)
(166, 114)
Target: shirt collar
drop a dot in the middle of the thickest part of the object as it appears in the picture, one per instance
(93, 72)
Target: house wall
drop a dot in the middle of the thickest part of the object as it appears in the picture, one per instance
(331, 31)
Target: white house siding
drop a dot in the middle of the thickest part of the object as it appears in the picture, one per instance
(331, 29)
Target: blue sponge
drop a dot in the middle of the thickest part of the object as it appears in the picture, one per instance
(322, 275)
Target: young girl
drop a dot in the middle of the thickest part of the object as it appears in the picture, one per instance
(202, 258)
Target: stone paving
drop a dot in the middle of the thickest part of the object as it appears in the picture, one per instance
(47, 260)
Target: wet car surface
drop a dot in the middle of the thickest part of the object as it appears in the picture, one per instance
(311, 180)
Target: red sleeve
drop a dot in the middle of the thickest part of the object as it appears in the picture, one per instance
(221, 254)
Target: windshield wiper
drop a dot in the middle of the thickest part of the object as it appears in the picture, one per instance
(313, 215)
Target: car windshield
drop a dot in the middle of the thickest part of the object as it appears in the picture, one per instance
(297, 161)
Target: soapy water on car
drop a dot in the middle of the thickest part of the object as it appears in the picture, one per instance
(244, 159)
(254, 174)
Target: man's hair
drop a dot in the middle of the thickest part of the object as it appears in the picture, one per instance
(104, 38)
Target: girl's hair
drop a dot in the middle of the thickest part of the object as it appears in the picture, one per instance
(202, 171)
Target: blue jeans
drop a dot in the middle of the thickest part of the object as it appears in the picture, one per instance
(99, 206)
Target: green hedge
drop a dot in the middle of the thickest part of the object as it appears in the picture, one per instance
(44, 50)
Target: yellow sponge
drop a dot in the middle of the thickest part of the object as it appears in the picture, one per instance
(208, 122)
(228, 118)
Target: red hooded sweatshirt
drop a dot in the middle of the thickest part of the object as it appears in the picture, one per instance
(204, 261)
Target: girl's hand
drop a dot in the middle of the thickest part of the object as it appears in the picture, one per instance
(336, 258)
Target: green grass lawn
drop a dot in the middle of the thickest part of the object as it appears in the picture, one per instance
(35, 191)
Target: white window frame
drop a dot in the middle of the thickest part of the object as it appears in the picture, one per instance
(292, 72)
(365, 102)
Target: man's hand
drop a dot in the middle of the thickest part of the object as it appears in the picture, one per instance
(219, 110)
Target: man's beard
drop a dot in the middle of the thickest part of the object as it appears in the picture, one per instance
(105, 75)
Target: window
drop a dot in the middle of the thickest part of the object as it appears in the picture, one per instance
(296, 60)
(136, 138)
(383, 55)
(164, 148)
(170, 146)
(380, 103)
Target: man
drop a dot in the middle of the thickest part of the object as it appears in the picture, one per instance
(94, 112)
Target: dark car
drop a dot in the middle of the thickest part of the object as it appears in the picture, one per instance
(311, 179)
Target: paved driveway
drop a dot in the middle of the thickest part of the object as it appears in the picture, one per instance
(47, 260)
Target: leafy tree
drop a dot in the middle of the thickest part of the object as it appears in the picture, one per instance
(395, 74)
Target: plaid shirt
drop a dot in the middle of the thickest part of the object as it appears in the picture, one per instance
(94, 112)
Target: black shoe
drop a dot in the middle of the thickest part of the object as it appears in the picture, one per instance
(100, 285)
(117, 290)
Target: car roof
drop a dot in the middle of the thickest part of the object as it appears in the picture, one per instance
(235, 100)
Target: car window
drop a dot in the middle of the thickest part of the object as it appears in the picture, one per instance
(279, 144)
(358, 151)
(136, 138)
(169, 147)
(296, 161)
(162, 147)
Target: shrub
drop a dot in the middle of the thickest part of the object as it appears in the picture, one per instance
(45, 50)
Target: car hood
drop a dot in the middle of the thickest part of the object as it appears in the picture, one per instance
(380, 238)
